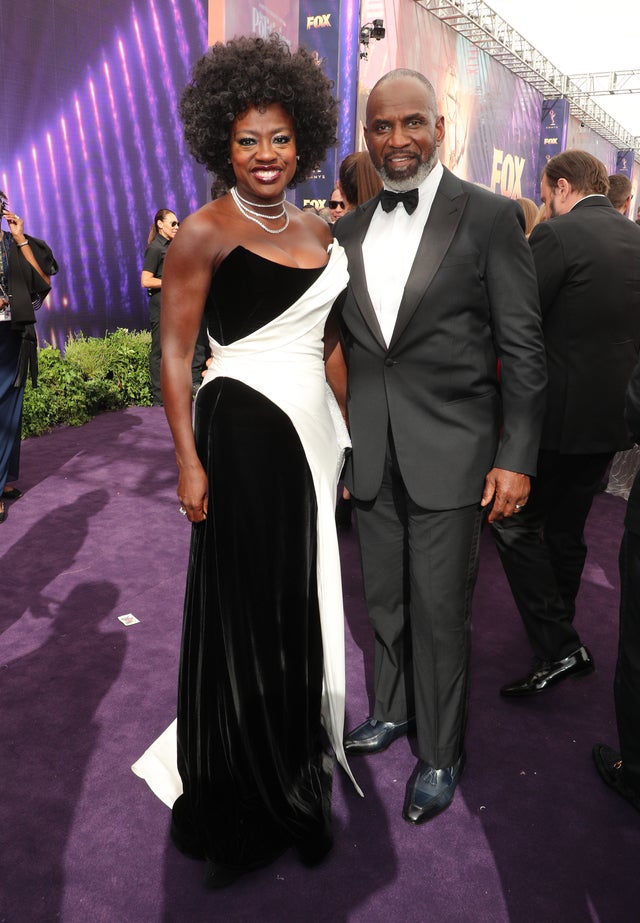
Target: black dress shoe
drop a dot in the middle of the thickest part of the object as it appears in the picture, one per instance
(373, 736)
(609, 765)
(430, 791)
(545, 674)
(11, 493)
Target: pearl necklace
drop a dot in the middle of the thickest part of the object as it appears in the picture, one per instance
(256, 217)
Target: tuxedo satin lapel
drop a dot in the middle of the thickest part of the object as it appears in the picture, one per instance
(442, 224)
(353, 245)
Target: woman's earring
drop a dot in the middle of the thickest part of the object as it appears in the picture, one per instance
(297, 156)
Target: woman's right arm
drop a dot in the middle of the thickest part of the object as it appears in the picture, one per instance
(186, 277)
(148, 278)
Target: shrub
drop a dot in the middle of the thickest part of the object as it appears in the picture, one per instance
(59, 398)
(117, 365)
(93, 376)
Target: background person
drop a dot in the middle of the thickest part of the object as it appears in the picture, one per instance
(26, 265)
(337, 205)
(262, 660)
(164, 229)
(621, 770)
(620, 192)
(531, 214)
(585, 256)
(359, 179)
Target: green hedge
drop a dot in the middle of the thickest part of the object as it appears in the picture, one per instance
(94, 375)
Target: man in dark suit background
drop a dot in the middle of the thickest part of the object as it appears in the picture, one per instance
(442, 284)
(620, 192)
(621, 771)
(587, 259)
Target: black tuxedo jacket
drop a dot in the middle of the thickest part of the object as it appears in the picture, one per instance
(471, 299)
(588, 267)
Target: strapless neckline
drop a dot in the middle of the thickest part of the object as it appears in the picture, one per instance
(266, 259)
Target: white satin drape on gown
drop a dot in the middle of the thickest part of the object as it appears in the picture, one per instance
(284, 361)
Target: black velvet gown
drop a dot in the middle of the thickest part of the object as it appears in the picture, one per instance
(251, 752)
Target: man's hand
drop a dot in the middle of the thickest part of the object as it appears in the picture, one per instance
(509, 491)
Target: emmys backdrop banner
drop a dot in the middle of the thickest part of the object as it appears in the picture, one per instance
(319, 32)
(91, 144)
(624, 163)
(586, 139)
(553, 128)
(492, 117)
(261, 19)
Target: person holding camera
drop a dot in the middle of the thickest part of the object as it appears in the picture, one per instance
(26, 265)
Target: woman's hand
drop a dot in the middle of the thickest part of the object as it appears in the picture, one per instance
(16, 226)
(192, 493)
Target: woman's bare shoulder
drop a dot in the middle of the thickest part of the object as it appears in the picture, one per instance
(208, 231)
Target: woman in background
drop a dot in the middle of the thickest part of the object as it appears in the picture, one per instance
(359, 182)
(359, 179)
(164, 229)
(531, 214)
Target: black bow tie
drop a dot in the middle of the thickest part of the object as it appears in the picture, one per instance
(389, 200)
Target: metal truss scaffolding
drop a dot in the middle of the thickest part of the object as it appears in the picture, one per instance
(478, 23)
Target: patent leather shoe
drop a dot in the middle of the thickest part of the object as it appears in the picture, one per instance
(430, 791)
(11, 493)
(609, 766)
(547, 673)
(373, 736)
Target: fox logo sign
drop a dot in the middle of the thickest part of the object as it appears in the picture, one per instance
(319, 22)
(506, 174)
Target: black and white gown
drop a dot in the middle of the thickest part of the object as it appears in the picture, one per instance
(262, 661)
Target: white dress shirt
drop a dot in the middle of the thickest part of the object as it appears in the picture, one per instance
(389, 250)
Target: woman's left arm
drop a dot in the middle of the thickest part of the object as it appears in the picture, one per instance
(334, 362)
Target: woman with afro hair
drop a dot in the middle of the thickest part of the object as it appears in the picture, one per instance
(262, 660)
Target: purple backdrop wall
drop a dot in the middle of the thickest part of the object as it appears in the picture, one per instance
(91, 144)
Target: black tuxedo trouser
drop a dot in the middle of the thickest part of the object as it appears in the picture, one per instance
(419, 569)
(627, 679)
(543, 551)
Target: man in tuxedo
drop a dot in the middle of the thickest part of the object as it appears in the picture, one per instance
(442, 284)
(621, 770)
(587, 258)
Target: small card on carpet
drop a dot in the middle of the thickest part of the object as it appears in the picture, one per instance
(128, 619)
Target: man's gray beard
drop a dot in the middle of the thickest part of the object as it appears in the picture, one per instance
(404, 185)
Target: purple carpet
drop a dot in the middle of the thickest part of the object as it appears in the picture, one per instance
(533, 835)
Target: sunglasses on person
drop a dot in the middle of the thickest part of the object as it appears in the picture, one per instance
(334, 203)
(174, 224)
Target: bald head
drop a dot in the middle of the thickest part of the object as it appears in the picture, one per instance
(403, 130)
(402, 73)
